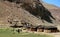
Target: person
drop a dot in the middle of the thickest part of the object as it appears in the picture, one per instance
(19, 30)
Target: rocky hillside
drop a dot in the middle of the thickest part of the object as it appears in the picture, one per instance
(35, 14)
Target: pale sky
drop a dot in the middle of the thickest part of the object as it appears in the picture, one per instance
(54, 2)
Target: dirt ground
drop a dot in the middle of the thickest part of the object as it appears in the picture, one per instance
(52, 34)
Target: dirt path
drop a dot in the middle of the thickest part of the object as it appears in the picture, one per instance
(56, 34)
(52, 34)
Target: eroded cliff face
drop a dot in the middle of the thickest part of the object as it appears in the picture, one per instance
(34, 12)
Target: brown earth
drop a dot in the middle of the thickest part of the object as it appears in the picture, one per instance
(10, 10)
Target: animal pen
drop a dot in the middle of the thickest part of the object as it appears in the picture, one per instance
(41, 28)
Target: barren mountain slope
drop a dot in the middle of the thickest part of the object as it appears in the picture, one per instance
(9, 10)
(55, 11)
(15, 13)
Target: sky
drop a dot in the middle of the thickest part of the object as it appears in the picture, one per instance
(54, 2)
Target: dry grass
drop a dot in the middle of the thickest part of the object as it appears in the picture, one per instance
(9, 33)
